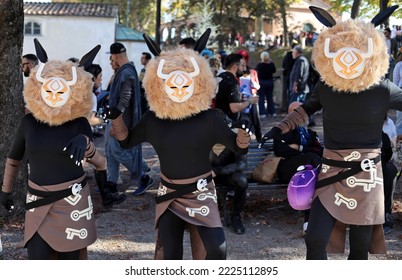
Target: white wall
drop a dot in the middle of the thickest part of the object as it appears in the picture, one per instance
(134, 52)
(64, 37)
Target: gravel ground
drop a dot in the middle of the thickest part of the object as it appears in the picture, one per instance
(273, 229)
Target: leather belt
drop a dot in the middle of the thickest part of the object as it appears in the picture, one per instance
(183, 189)
(355, 167)
(50, 197)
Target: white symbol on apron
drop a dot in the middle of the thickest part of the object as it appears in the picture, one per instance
(367, 165)
(324, 168)
(87, 212)
(204, 211)
(30, 198)
(353, 155)
(202, 185)
(76, 188)
(204, 196)
(75, 197)
(349, 202)
(81, 233)
(161, 190)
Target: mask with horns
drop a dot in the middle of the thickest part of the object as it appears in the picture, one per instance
(59, 91)
(351, 50)
(178, 83)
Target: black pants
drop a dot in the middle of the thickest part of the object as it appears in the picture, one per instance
(319, 230)
(171, 230)
(38, 249)
(389, 171)
(240, 184)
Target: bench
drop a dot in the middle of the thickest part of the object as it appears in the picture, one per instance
(254, 156)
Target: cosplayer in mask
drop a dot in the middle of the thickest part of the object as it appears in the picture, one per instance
(351, 58)
(183, 128)
(56, 137)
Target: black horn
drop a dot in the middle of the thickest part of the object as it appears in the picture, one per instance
(383, 15)
(323, 16)
(88, 58)
(202, 41)
(40, 51)
(152, 45)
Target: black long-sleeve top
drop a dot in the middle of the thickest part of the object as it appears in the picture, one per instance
(354, 120)
(265, 70)
(43, 146)
(183, 146)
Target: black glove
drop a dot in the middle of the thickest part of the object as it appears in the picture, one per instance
(76, 147)
(244, 124)
(275, 133)
(112, 113)
(6, 200)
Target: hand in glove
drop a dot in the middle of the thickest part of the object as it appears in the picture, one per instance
(243, 124)
(112, 113)
(76, 147)
(6, 200)
(275, 133)
(244, 133)
(103, 113)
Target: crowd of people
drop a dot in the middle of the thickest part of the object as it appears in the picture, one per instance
(198, 110)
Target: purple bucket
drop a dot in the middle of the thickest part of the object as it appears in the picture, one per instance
(301, 187)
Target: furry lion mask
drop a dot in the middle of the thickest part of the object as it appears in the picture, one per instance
(178, 83)
(351, 55)
(57, 91)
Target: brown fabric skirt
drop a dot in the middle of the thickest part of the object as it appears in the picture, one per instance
(67, 224)
(197, 208)
(356, 200)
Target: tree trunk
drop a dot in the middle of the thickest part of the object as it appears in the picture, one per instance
(355, 9)
(285, 23)
(383, 6)
(258, 28)
(11, 86)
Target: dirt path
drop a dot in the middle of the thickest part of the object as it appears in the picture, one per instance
(273, 229)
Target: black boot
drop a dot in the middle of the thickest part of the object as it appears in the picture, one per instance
(239, 181)
(108, 198)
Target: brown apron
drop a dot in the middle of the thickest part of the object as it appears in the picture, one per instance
(67, 224)
(356, 200)
(199, 208)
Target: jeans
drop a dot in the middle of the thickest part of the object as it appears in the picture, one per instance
(131, 158)
(398, 122)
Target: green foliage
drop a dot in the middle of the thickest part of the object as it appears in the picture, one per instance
(368, 8)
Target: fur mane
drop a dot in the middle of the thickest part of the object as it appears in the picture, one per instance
(204, 87)
(79, 104)
(352, 33)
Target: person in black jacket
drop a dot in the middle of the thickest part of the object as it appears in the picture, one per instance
(287, 64)
(298, 86)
